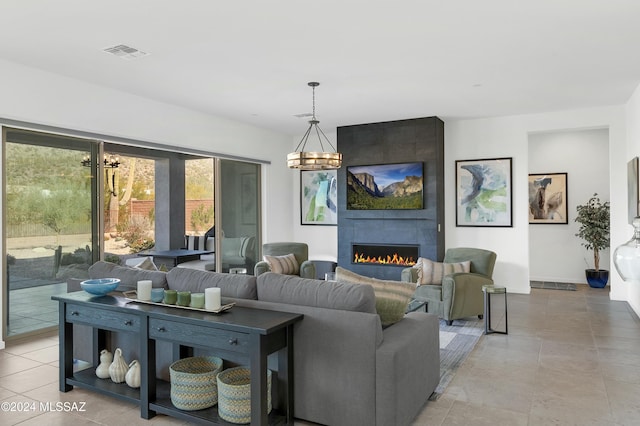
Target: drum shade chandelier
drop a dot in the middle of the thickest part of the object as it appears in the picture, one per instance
(314, 160)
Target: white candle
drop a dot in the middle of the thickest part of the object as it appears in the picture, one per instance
(144, 290)
(212, 298)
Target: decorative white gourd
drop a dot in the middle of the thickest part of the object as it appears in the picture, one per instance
(106, 357)
(133, 375)
(118, 368)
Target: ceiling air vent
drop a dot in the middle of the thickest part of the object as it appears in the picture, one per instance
(125, 52)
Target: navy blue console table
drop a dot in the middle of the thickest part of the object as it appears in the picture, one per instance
(242, 335)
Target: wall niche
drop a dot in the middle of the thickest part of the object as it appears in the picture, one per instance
(402, 141)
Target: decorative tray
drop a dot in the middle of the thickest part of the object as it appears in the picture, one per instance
(133, 297)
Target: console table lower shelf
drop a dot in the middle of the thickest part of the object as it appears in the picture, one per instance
(163, 405)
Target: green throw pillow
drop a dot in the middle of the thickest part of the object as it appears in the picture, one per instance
(392, 297)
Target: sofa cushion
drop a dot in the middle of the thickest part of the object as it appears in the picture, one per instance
(293, 290)
(129, 277)
(392, 297)
(194, 280)
(430, 272)
(286, 264)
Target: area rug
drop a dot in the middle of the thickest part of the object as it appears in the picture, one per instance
(550, 285)
(456, 343)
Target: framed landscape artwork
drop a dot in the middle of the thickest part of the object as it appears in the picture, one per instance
(319, 197)
(484, 192)
(548, 198)
(397, 186)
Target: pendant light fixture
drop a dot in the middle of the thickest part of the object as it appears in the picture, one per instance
(314, 160)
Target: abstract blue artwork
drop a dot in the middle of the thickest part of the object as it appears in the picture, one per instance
(318, 197)
(484, 192)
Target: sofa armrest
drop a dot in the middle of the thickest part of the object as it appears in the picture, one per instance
(409, 275)
(308, 269)
(407, 368)
(261, 267)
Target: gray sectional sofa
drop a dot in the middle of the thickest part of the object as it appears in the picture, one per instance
(348, 370)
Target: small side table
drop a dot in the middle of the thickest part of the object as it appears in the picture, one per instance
(416, 305)
(487, 291)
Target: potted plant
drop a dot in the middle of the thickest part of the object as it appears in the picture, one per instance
(593, 218)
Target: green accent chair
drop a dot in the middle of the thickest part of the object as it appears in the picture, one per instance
(460, 294)
(299, 250)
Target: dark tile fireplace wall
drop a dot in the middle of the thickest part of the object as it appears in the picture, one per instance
(403, 141)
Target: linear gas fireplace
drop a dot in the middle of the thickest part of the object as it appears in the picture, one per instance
(385, 254)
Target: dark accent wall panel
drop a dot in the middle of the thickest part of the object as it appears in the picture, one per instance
(403, 141)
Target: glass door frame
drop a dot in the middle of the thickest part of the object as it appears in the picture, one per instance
(75, 143)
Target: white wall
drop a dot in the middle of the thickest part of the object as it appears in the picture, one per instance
(555, 253)
(508, 137)
(31, 95)
(633, 150)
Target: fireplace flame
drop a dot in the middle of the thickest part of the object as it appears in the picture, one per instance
(394, 259)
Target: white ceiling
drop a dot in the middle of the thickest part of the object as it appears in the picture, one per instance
(376, 60)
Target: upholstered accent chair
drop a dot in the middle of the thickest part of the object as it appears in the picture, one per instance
(307, 269)
(460, 294)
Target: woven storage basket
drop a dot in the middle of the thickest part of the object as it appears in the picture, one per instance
(193, 382)
(234, 394)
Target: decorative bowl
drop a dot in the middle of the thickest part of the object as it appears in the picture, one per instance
(100, 286)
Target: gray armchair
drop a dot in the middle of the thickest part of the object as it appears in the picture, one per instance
(299, 250)
(460, 294)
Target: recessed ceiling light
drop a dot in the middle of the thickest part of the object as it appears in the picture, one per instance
(125, 52)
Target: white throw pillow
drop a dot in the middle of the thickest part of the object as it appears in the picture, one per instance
(147, 264)
(430, 272)
(287, 264)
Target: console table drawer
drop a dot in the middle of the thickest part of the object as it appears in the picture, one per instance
(103, 318)
(189, 334)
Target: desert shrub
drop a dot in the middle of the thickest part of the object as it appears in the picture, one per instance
(70, 259)
(136, 233)
(113, 258)
(140, 245)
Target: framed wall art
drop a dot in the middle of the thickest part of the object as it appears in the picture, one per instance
(548, 198)
(318, 197)
(484, 192)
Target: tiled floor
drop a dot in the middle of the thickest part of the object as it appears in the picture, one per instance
(571, 358)
(32, 308)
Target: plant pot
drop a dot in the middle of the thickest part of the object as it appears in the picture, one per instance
(597, 279)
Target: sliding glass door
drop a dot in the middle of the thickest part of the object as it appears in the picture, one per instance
(50, 225)
(69, 202)
(240, 215)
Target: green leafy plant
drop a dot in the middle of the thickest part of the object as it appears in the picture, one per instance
(593, 218)
(201, 217)
(113, 258)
